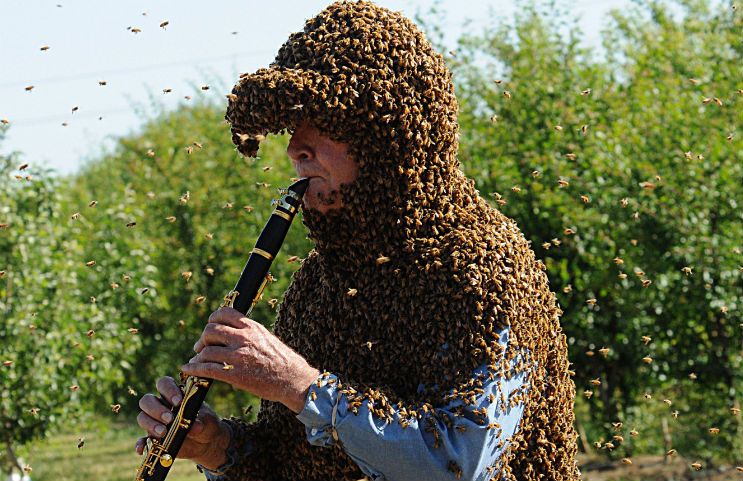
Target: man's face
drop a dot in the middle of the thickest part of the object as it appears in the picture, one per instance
(325, 162)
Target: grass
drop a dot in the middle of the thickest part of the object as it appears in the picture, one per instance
(107, 455)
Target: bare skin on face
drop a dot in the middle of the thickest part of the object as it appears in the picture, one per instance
(325, 161)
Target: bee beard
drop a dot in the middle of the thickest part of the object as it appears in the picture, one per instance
(330, 198)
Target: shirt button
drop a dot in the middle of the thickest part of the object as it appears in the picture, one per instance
(314, 431)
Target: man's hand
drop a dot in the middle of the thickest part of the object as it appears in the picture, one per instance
(243, 353)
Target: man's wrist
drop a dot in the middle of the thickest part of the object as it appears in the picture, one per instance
(300, 388)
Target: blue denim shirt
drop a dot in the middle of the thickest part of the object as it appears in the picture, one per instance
(387, 451)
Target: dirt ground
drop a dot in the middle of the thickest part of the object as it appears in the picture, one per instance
(653, 468)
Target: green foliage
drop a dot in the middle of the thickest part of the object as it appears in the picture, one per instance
(652, 139)
(51, 371)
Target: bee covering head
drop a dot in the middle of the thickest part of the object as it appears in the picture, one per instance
(435, 271)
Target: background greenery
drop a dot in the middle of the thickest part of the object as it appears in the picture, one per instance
(625, 171)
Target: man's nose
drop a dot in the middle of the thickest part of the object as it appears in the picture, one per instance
(298, 151)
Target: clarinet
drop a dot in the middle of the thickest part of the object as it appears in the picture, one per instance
(159, 454)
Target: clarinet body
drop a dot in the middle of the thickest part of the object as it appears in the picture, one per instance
(159, 454)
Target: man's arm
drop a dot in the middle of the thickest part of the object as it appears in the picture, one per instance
(461, 441)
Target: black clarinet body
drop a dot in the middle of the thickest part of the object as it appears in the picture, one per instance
(159, 454)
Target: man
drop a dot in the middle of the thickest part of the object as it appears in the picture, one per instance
(434, 324)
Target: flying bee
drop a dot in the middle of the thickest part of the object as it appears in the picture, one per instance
(624, 202)
(596, 382)
(633, 433)
(90, 263)
(133, 330)
(729, 137)
(734, 411)
(189, 149)
(671, 452)
(29, 88)
(692, 376)
(115, 408)
(618, 261)
(647, 359)
(167, 90)
(714, 431)
(584, 129)
(81, 442)
(90, 333)
(591, 302)
(187, 97)
(131, 224)
(694, 81)
(90, 357)
(604, 351)
(646, 339)
(75, 387)
(570, 156)
(227, 367)
(567, 289)
(647, 396)
(563, 183)
(34, 411)
(568, 231)
(7, 363)
(131, 391)
(609, 445)
(171, 218)
(558, 128)
(102, 83)
(2, 274)
(697, 466)
(75, 216)
(272, 302)
(186, 275)
(209, 236)
(535, 173)
(248, 208)
(164, 24)
(204, 87)
(507, 94)
(382, 260)
(209, 271)
(646, 282)
(516, 189)
(675, 414)
(585, 199)
(588, 393)
(686, 270)
(351, 292)
(135, 30)
(668, 402)
(144, 290)
(199, 299)
(227, 205)
(126, 277)
(589, 353)
(647, 185)
(626, 461)
(291, 259)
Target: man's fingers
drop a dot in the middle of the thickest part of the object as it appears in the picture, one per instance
(229, 317)
(218, 354)
(153, 427)
(168, 388)
(215, 335)
(211, 370)
(139, 445)
(154, 408)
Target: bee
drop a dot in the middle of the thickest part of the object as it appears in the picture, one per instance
(494, 118)
(227, 367)
(633, 433)
(131, 391)
(4, 121)
(647, 359)
(714, 431)
(75, 387)
(115, 408)
(272, 302)
(535, 173)
(102, 83)
(382, 260)
(75, 216)
(313, 395)
(29, 88)
(694, 81)
(697, 465)
(585, 199)
(248, 208)
(498, 81)
(570, 156)
(558, 128)
(546, 245)
(209, 271)
(626, 461)
(189, 149)
(171, 218)
(609, 445)
(567, 289)
(692, 376)
(588, 393)
(144, 290)
(2, 274)
(675, 414)
(227, 205)
(351, 292)
(291, 259)
(618, 261)
(584, 129)
(563, 183)
(668, 402)
(34, 411)
(199, 299)
(734, 411)
(186, 275)
(507, 94)
(591, 302)
(133, 330)
(604, 351)
(75, 109)
(90, 263)
(646, 339)
(92, 299)
(93, 203)
(646, 282)
(167, 90)
(81, 442)
(729, 137)
(209, 236)
(596, 382)
(686, 270)
(568, 231)
(589, 353)
(187, 97)
(671, 452)
(706, 100)
(231, 97)
(647, 396)
(647, 185)
(7, 363)
(150, 195)
(126, 277)
(135, 30)
(624, 202)
(185, 198)
(27, 469)
(131, 224)
(150, 153)
(205, 87)
(164, 24)
(90, 357)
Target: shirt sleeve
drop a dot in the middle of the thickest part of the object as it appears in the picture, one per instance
(468, 447)
(234, 453)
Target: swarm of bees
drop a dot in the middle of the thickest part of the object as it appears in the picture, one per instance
(441, 280)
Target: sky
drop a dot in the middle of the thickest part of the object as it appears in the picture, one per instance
(204, 43)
